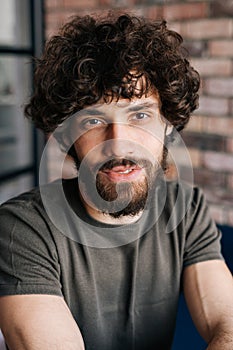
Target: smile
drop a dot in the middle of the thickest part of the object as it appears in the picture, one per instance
(122, 173)
(126, 171)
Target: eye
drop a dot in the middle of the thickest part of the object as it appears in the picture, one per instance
(141, 116)
(92, 123)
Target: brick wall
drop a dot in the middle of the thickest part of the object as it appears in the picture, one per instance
(207, 27)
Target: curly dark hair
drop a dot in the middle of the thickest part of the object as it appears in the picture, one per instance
(95, 58)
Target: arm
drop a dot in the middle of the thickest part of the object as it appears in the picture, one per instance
(208, 289)
(35, 322)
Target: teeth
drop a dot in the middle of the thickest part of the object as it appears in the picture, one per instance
(125, 172)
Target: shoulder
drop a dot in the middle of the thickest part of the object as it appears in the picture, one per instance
(43, 211)
(181, 195)
(21, 204)
(25, 225)
(34, 198)
(183, 190)
(26, 209)
(182, 206)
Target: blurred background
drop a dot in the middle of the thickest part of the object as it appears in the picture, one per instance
(207, 29)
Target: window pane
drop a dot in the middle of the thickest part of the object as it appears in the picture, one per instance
(14, 24)
(15, 131)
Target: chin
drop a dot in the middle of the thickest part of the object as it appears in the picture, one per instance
(131, 196)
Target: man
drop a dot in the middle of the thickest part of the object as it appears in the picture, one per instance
(98, 261)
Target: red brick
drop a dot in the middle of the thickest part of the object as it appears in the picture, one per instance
(226, 197)
(219, 87)
(222, 214)
(86, 4)
(221, 48)
(185, 11)
(231, 106)
(176, 26)
(230, 182)
(206, 178)
(218, 161)
(204, 141)
(196, 157)
(214, 106)
(196, 48)
(138, 11)
(221, 8)
(213, 67)
(53, 21)
(69, 13)
(230, 218)
(196, 123)
(153, 12)
(116, 3)
(221, 197)
(217, 212)
(50, 4)
(208, 28)
(220, 203)
(229, 145)
(218, 125)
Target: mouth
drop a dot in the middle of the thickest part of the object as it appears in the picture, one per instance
(117, 171)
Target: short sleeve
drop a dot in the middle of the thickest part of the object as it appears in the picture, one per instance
(28, 259)
(202, 236)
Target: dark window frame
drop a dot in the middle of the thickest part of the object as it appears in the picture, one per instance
(37, 38)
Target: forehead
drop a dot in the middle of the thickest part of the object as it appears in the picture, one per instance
(125, 105)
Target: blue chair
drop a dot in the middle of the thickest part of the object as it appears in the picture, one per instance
(186, 335)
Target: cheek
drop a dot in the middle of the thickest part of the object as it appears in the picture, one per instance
(157, 148)
(152, 144)
(84, 145)
(80, 149)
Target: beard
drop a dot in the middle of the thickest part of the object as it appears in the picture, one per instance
(131, 196)
(122, 198)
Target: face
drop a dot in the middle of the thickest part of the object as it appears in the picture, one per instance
(120, 145)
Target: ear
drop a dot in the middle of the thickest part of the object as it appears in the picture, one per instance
(169, 129)
(169, 134)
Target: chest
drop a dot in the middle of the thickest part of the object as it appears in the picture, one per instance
(148, 267)
(125, 294)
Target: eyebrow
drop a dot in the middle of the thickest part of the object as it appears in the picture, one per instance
(142, 106)
(135, 108)
(87, 112)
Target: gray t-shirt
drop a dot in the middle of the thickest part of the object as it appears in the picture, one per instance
(122, 293)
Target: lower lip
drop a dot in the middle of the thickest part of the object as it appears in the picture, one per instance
(115, 176)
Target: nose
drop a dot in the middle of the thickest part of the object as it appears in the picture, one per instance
(119, 142)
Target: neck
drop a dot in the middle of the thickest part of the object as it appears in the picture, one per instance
(107, 218)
